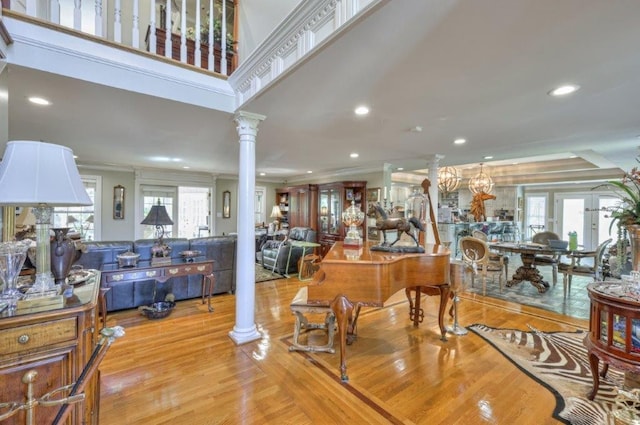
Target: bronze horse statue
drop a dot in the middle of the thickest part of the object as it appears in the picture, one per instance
(401, 224)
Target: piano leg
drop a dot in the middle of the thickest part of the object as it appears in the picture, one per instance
(343, 310)
(416, 314)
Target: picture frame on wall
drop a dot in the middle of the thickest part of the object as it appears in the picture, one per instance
(226, 204)
(373, 234)
(373, 194)
(118, 202)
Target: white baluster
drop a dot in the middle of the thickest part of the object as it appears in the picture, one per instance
(135, 31)
(152, 27)
(223, 39)
(98, 18)
(210, 56)
(197, 57)
(77, 15)
(54, 11)
(167, 40)
(117, 22)
(183, 32)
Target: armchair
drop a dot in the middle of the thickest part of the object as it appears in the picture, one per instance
(547, 260)
(592, 267)
(277, 254)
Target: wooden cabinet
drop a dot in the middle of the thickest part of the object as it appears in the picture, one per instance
(57, 344)
(333, 199)
(299, 205)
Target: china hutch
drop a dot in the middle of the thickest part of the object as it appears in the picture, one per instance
(333, 199)
(298, 205)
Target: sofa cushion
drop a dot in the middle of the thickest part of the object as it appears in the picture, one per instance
(220, 249)
(95, 254)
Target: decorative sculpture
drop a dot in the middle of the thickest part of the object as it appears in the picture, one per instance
(477, 205)
(402, 225)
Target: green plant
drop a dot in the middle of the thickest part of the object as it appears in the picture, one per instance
(627, 211)
(217, 33)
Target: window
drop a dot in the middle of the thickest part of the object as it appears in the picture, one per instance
(260, 213)
(535, 214)
(188, 207)
(150, 197)
(82, 220)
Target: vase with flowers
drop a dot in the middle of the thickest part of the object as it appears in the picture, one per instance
(626, 216)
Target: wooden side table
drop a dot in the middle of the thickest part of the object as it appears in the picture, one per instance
(614, 330)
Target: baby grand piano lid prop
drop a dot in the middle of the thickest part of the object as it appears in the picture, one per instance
(414, 219)
(345, 283)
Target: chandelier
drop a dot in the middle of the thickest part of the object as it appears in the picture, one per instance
(482, 182)
(448, 179)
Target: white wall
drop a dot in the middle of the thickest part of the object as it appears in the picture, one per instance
(256, 20)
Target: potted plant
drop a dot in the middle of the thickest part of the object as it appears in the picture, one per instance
(626, 214)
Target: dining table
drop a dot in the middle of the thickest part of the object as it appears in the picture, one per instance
(528, 252)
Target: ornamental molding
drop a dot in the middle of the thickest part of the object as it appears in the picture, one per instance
(293, 40)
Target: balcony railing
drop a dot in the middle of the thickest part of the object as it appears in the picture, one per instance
(190, 36)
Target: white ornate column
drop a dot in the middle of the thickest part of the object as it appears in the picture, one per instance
(433, 162)
(387, 170)
(245, 327)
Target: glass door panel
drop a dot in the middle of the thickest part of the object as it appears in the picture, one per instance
(324, 211)
(586, 214)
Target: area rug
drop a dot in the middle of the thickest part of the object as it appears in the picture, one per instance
(264, 275)
(558, 361)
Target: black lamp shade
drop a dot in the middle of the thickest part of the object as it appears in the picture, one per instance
(157, 216)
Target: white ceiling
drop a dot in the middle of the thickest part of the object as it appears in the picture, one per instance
(474, 69)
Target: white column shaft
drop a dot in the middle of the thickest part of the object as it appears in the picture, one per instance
(245, 328)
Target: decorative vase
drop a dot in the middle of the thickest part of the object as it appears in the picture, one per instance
(633, 230)
(63, 253)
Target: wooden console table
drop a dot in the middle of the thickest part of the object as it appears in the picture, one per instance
(614, 330)
(112, 274)
(57, 344)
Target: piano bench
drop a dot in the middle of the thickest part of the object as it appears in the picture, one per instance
(300, 308)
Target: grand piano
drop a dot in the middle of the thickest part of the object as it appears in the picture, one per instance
(349, 279)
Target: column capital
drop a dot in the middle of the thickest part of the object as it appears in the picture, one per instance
(248, 122)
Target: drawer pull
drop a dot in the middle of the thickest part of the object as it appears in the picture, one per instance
(201, 268)
(173, 271)
(117, 277)
(23, 339)
(151, 273)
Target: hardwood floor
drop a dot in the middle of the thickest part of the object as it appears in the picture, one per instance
(186, 370)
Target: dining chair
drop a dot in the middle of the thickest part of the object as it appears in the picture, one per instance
(552, 261)
(578, 267)
(493, 256)
(475, 255)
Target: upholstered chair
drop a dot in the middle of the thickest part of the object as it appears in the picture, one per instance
(493, 256)
(583, 264)
(281, 256)
(552, 261)
(475, 256)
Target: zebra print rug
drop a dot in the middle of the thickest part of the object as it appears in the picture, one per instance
(558, 361)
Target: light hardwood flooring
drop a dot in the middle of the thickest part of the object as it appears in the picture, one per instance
(185, 369)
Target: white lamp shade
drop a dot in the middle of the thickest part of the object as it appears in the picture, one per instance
(34, 173)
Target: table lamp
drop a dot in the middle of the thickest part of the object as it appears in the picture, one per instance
(42, 176)
(277, 214)
(159, 218)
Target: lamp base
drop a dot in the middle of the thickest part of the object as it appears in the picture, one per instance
(160, 261)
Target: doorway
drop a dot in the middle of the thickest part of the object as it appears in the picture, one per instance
(586, 214)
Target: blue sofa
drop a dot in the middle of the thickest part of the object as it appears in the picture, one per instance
(125, 295)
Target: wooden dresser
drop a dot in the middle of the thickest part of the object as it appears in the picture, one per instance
(56, 343)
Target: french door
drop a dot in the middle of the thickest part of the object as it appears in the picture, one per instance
(586, 214)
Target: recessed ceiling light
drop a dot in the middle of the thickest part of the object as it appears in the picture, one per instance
(564, 90)
(39, 101)
(488, 157)
(361, 110)
(354, 155)
(460, 141)
(75, 156)
(186, 167)
(309, 172)
(263, 174)
(400, 169)
(573, 156)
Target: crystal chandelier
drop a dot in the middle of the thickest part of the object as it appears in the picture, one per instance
(448, 179)
(482, 182)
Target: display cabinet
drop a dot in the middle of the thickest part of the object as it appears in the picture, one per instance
(299, 205)
(56, 343)
(333, 199)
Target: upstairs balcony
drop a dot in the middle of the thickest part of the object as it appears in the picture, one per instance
(192, 35)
